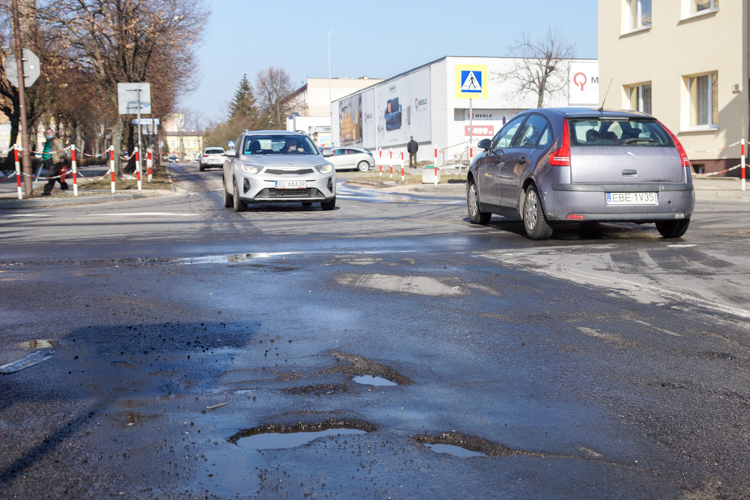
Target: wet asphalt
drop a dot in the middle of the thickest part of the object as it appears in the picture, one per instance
(201, 353)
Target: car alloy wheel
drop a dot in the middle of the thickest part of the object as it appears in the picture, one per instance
(363, 166)
(530, 214)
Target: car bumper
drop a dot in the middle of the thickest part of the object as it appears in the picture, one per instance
(587, 202)
(262, 189)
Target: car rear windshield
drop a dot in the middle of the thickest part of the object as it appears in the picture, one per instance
(214, 152)
(631, 132)
(279, 144)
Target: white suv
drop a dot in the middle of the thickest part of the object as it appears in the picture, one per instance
(211, 157)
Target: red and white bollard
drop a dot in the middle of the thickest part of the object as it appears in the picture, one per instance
(112, 166)
(436, 165)
(138, 168)
(742, 162)
(390, 161)
(74, 167)
(18, 173)
(402, 170)
(380, 154)
(149, 164)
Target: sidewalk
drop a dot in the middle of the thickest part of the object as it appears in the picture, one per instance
(9, 193)
(705, 188)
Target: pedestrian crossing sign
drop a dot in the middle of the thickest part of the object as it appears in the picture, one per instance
(471, 81)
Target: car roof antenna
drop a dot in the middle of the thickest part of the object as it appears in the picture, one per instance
(601, 109)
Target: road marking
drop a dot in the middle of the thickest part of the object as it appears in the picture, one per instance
(148, 214)
(657, 328)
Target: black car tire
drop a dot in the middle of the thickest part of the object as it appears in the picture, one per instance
(306, 203)
(328, 205)
(534, 221)
(673, 228)
(476, 216)
(239, 205)
(227, 198)
(201, 168)
(363, 166)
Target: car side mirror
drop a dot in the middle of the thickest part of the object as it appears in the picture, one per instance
(327, 153)
(230, 153)
(485, 144)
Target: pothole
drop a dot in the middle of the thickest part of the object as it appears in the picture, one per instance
(317, 390)
(376, 381)
(456, 451)
(464, 446)
(358, 366)
(40, 344)
(418, 285)
(277, 436)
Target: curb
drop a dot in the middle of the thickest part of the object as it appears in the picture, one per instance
(81, 200)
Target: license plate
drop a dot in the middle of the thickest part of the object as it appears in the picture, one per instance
(291, 184)
(632, 199)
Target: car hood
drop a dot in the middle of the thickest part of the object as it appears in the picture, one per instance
(281, 161)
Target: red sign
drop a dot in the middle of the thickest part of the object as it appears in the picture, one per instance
(480, 130)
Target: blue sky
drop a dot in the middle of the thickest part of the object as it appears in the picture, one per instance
(378, 39)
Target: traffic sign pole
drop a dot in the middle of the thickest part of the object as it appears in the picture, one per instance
(22, 101)
(74, 167)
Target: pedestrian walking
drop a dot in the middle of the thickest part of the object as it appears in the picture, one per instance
(412, 147)
(53, 159)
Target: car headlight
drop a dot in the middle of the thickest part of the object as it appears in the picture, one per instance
(325, 168)
(251, 169)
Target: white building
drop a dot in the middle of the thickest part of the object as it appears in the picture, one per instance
(425, 103)
(312, 104)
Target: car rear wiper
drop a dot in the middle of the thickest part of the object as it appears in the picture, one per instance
(640, 139)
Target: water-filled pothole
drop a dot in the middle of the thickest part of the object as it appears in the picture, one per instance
(277, 440)
(456, 451)
(465, 446)
(276, 436)
(40, 344)
(376, 381)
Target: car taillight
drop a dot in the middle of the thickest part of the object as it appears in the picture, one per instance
(684, 160)
(561, 157)
(205, 156)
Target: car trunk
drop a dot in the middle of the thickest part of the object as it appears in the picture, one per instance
(623, 164)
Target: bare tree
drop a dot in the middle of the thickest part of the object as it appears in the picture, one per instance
(542, 67)
(131, 41)
(272, 87)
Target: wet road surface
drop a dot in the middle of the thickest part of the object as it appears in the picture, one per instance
(385, 349)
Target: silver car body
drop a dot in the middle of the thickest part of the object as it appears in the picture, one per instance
(605, 180)
(277, 177)
(349, 158)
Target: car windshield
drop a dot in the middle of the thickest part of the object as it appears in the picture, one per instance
(279, 144)
(214, 152)
(631, 132)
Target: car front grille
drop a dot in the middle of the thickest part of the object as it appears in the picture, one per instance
(301, 171)
(289, 193)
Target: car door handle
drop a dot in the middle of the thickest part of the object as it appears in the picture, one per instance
(629, 172)
(522, 160)
(497, 160)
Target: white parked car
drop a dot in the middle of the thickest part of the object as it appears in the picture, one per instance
(212, 157)
(349, 158)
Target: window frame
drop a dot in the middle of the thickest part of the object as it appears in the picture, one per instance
(497, 137)
(519, 132)
(640, 102)
(712, 89)
(635, 13)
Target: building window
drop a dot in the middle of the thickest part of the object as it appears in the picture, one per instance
(701, 5)
(640, 98)
(640, 14)
(704, 99)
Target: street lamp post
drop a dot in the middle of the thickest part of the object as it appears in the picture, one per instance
(330, 92)
(25, 161)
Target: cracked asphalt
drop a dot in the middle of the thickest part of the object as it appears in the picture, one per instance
(605, 363)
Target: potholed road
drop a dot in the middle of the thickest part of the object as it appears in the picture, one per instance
(604, 363)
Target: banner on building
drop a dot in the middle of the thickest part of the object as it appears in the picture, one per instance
(584, 84)
(350, 121)
(403, 109)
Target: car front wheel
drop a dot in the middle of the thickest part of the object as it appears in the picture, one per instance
(537, 227)
(328, 205)
(227, 198)
(673, 228)
(476, 216)
(239, 205)
(363, 166)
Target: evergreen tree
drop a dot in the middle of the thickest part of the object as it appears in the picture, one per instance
(243, 109)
